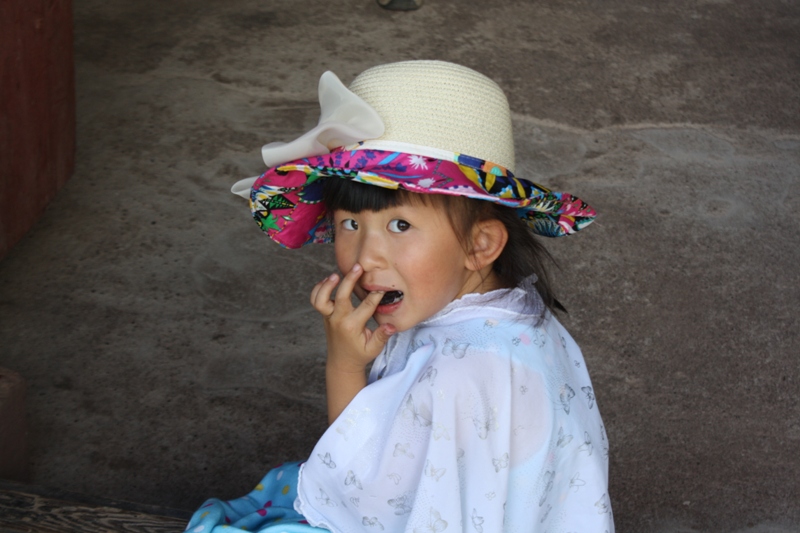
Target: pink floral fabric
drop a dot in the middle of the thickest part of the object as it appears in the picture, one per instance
(286, 201)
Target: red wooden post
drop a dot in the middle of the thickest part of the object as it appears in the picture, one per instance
(37, 110)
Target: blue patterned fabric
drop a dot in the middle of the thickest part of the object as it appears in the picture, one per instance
(269, 508)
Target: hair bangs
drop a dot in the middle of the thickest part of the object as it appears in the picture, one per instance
(352, 196)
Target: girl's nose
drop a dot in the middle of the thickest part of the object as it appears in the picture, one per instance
(371, 253)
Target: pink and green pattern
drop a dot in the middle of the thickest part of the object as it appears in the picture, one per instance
(286, 201)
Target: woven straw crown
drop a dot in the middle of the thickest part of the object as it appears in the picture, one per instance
(439, 105)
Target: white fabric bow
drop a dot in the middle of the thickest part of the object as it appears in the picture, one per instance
(345, 119)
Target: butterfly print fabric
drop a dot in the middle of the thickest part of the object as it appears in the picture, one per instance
(481, 420)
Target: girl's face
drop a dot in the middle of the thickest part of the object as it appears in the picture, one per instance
(411, 252)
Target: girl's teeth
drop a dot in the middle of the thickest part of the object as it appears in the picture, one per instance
(391, 297)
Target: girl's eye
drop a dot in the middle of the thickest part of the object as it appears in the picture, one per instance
(350, 224)
(398, 226)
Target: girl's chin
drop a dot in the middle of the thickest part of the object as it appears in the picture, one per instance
(395, 321)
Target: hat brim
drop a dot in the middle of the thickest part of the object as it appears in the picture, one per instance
(286, 201)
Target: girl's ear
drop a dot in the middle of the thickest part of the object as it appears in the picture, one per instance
(489, 237)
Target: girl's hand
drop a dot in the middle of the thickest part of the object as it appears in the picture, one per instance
(351, 345)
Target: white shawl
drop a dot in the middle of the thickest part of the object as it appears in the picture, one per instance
(481, 418)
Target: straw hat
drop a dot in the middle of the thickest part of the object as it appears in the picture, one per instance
(430, 127)
(435, 104)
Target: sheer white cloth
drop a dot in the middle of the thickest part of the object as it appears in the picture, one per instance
(482, 418)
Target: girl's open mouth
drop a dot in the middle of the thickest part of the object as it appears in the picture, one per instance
(391, 297)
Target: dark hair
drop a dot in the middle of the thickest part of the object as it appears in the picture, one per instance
(522, 256)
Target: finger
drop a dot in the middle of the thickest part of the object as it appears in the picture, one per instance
(347, 286)
(321, 294)
(379, 339)
(322, 291)
(368, 305)
(316, 289)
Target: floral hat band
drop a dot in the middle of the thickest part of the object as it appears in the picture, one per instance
(382, 133)
(286, 200)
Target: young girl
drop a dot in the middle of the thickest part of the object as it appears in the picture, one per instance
(477, 413)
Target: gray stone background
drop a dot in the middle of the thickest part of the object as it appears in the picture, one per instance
(169, 346)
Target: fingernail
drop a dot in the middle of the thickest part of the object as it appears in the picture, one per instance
(356, 267)
(333, 277)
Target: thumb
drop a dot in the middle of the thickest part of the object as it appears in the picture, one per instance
(379, 338)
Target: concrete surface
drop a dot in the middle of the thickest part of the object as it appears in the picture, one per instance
(169, 347)
(14, 448)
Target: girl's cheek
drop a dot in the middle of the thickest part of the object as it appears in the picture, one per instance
(343, 261)
(344, 266)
